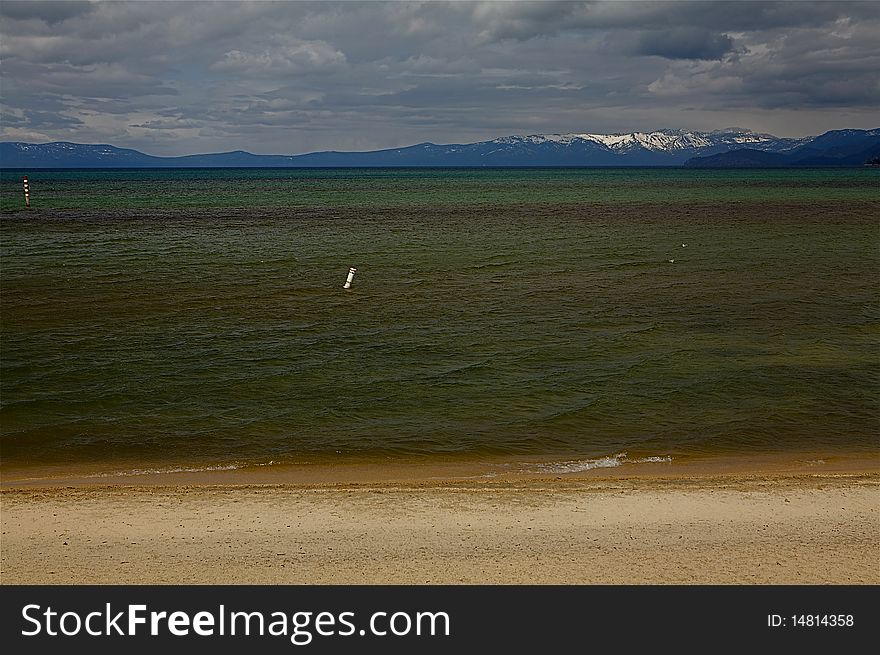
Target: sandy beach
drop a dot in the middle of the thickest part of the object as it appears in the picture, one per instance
(766, 526)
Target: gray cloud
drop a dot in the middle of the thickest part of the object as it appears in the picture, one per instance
(289, 57)
(173, 78)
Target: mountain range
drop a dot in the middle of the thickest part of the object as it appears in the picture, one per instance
(721, 148)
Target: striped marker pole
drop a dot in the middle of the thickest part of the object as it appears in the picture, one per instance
(27, 193)
(351, 271)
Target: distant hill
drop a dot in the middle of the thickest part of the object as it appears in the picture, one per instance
(723, 148)
(61, 154)
(835, 148)
(742, 158)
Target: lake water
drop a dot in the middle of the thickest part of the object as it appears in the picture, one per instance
(174, 317)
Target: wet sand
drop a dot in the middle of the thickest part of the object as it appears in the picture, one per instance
(673, 526)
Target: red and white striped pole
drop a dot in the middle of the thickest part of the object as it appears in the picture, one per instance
(351, 271)
(27, 193)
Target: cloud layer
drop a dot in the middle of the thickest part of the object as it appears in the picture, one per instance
(287, 77)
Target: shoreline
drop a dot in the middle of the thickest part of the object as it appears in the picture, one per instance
(439, 470)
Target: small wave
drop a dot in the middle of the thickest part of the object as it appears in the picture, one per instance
(647, 460)
(177, 469)
(579, 465)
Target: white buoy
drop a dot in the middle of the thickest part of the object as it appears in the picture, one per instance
(27, 193)
(351, 271)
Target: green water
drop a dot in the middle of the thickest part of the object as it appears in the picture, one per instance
(198, 315)
(380, 188)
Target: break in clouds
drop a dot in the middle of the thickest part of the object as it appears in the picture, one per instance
(175, 78)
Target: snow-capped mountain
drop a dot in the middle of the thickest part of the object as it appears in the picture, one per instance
(657, 148)
(661, 147)
(659, 141)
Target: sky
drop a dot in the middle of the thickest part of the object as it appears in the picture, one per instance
(172, 78)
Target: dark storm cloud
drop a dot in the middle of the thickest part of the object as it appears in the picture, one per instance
(526, 20)
(47, 12)
(172, 78)
(684, 43)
